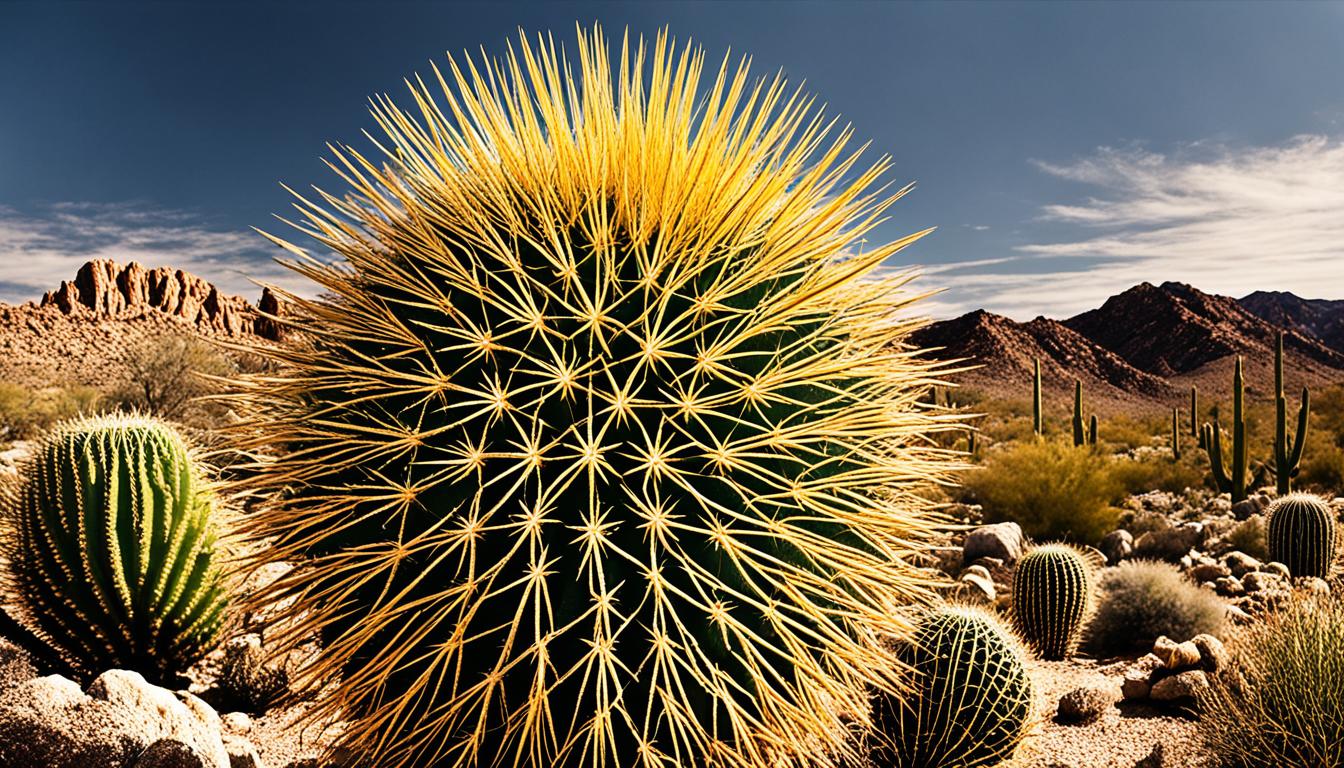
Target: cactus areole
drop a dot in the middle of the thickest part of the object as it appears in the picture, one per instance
(114, 561)
(604, 441)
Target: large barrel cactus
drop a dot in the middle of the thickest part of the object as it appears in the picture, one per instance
(1052, 594)
(971, 701)
(601, 447)
(1301, 534)
(112, 560)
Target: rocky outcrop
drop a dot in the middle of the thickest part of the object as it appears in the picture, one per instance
(105, 289)
(120, 721)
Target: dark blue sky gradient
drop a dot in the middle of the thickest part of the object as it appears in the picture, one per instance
(204, 107)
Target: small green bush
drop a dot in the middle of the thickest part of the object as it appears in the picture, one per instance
(1140, 601)
(1053, 490)
(1157, 472)
(1249, 537)
(1281, 700)
(25, 413)
(1322, 466)
(167, 375)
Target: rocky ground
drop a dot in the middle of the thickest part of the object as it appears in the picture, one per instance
(1093, 713)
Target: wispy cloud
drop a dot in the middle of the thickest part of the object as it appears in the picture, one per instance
(1225, 219)
(41, 247)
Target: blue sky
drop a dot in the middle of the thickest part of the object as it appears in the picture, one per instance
(1064, 151)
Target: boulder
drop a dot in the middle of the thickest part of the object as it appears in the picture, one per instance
(1176, 655)
(1209, 572)
(1240, 563)
(1085, 704)
(50, 722)
(1212, 655)
(170, 753)
(1170, 544)
(975, 584)
(1180, 686)
(1117, 545)
(1000, 540)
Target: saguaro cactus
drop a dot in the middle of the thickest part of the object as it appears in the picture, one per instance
(1052, 594)
(1230, 480)
(1037, 418)
(1301, 534)
(1195, 431)
(1079, 428)
(1175, 434)
(113, 563)
(1287, 451)
(972, 699)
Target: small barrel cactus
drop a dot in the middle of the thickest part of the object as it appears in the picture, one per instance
(970, 701)
(112, 559)
(1302, 534)
(1052, 591)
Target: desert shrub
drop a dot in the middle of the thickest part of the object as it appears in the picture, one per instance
(248, 681)
(167, 375)
(25, 413)
(1322, 466)
(1140, 601)
(1053, 490)
(1129, 432)
(1281, 702)
(1249, 537)
(1157, 472)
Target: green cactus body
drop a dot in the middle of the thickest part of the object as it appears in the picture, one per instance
(971, 702)
(1175, 434)
(1301, 534)
(600, 455)
(113, 559)
(1092, 430)
(1231, 480)
(1079, 430)
(1052, 591)
(1195, 431)
(1037, 418)
(1287, 451)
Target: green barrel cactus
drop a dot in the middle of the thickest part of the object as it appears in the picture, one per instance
(1301, 534)
(1052, 593)
(971, 700)
(603, 446)
(112, 560)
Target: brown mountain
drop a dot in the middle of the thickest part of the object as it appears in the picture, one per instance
(79, 333)
(1320, 319)
(1145, 345)
(1005, 351)
(1174, 329)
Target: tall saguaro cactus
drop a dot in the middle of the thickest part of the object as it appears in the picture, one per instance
(1231, 480)
(1195, 431)
(113, 562)
(1175, 434)
(1037, 417)
(604, 449)
(1287, 451)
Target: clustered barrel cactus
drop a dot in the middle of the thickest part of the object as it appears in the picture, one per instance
(602, 445)
(1052, 594)
(112, 560)
(1301, 534)
(971, 698)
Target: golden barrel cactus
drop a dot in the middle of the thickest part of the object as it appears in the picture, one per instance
(601, 444)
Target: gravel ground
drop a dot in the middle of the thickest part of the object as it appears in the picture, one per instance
(1124, 735)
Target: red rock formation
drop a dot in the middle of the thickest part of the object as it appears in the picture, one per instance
(106, 289)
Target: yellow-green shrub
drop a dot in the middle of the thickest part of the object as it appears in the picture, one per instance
(1053, 490)
(25, 412)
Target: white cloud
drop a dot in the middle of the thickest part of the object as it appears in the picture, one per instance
(39, 249)
(1226, 220)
